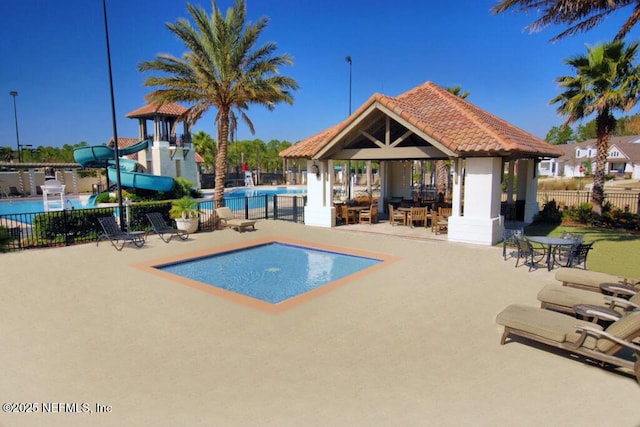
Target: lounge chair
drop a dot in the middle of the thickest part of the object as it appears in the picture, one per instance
(575, 336)
(591, 280)
(117, 237)
(564, 299)
(229, 221)
(161, 228)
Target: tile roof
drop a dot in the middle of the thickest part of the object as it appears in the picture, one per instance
(456, 124)
(151, 110)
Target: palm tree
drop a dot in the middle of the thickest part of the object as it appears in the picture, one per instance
(580, 15)
(606, 80)
(221, 69)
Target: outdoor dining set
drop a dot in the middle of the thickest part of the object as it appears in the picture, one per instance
(569, 250)
(405, 214)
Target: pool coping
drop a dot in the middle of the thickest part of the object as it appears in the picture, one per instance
(150, 267)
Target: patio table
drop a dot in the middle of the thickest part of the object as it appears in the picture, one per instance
(551, 243)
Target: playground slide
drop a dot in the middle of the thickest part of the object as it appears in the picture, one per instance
(101, 156)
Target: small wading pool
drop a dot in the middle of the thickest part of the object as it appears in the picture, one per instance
(271, 274)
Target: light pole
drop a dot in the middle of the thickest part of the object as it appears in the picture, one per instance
(348, 59)
(15, 113)
(113, 120)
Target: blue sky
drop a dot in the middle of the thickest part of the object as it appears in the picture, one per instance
(53, 53)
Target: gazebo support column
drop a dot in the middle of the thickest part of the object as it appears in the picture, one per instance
(528, 188)
(319, 210)
(481, 222)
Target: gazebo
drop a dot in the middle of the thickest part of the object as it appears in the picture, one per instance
(430, 123)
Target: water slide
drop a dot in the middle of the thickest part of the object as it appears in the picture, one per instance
(101, 156)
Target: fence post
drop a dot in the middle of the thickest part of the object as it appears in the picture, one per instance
(638, 205)
(266, 206)
(246, 207)
(295, 208)
(275, 206)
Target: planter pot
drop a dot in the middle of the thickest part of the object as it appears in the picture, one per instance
(189, 225)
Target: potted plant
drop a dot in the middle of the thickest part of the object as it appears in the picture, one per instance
(186, 214)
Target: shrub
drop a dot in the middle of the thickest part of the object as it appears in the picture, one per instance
(550, 214)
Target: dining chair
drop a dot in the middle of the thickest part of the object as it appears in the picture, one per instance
(417, 215)
(396, 216)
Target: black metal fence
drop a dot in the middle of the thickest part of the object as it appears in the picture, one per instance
(69, 227)
(628, 201)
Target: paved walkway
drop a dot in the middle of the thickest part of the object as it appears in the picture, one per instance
(413, 343)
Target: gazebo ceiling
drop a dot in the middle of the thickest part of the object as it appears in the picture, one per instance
(426, 122)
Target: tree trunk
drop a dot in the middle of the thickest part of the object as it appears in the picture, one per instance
(441, 179)
(605, 124)
(221, 158)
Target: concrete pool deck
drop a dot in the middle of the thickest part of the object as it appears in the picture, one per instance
(413, 343)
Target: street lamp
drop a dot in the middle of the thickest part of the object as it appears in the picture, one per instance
(348, 59)
(15, 113)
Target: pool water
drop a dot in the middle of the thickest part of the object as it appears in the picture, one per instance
(33, 205)
(273, 272)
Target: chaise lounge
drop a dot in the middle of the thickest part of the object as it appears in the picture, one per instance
(229, 221)
(564, 299)
(590, 280)
(161, 228)
(117, 237)
(578, 337)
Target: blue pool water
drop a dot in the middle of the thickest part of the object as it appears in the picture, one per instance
(271, 272)
(18, 206)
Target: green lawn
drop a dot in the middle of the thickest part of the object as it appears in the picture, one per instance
(614, 252)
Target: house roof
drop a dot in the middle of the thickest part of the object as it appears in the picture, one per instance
(453, 124)
(629, 145)
(150, 110)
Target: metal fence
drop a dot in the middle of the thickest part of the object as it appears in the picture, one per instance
(69, 227)
(628, 201)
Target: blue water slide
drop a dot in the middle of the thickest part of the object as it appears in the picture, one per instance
(100, 156)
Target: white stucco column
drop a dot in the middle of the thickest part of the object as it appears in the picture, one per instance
(319, 210)
(528, 188)
(481, 222)
(456, 202)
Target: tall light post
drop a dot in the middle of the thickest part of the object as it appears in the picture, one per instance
(113, 120)
(15, 114)
(348, 59)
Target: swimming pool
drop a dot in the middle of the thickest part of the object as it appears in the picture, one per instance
(20, 206)
(270, 274)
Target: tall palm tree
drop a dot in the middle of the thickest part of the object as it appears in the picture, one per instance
(580, 15)
(223, 69)
(605, 80)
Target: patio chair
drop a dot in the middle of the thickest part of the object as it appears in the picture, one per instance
(577, 337)
(591, 280)
(417, 215)
(161, 228)
(229, 221)
(509, 240)
(348, 215)
(396, 216)
(117, 237)
(530, 254)
(564, 299)
(370, 215)
(578, 255)
(439, 224)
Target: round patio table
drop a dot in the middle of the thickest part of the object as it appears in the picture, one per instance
(551, 243)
